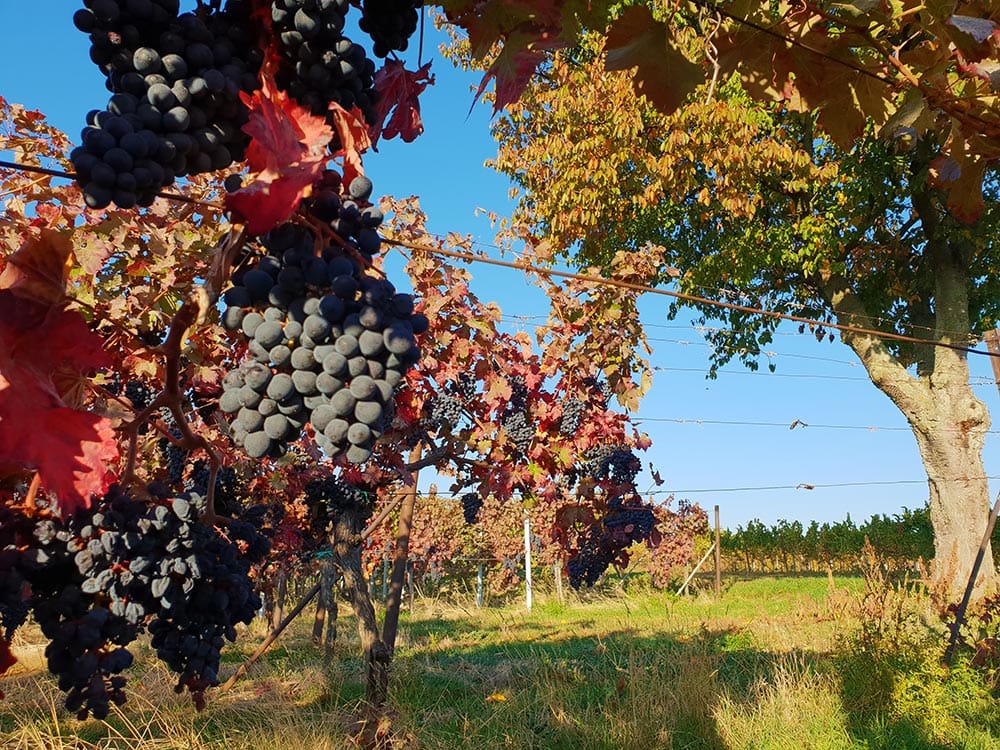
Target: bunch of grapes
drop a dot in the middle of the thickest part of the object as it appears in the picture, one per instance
(198, 581)
(573, 411)
(627, 522)
(175, 107)
(330, 496)
(586, 567)
(78, 600)
(329, 341)
(98, 577)
(320, 64)
(520, 431)
(471, 505)
(444, 412)
(389, 23)
(139, 393)
(610, 462)
(19, 557)
(514, 419)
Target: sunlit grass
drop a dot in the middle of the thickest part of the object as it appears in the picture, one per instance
(766, 666)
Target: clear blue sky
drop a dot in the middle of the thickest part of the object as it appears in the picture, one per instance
(855, 435)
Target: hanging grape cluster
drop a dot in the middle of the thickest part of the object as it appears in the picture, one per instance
(175, 107)
(472, 503)
(628, 521)
(176, 80)
(389, 23)
(329, 340)
(319, 64)
(96, 579)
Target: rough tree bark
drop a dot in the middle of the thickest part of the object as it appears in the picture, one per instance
(378, 674)
(948, 421)
(346, 542)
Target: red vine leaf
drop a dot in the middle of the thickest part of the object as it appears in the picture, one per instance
(38, 269)
(42, 347)
(288, 153)
(663, 74)
(354, 139)
(512, 71)
(398, 92)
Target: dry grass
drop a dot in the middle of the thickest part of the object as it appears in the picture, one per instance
(756, 670)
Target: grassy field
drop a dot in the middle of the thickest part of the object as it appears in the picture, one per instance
(780, 663)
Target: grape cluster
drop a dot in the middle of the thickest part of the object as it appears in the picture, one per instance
(628, 521)
(637, 520)
(520, 431)
(139, 393)
(199, 581)
(86, 651)
(572, 416)
(320, 64)
(586, 567)
(329, 342)
(514, 419)
(334, 495)
(389, 23)
(175, 107)
(229, 486)
(79, 603)
(466, 386)
(610, 462)
(471, 504)
(444, 412)
(16, 564)
(95, 579)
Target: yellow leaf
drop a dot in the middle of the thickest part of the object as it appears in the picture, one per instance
(496, 698)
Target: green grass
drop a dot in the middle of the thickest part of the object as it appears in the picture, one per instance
(772, 665)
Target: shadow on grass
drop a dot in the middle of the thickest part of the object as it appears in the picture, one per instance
(712, 689)
(566, 681)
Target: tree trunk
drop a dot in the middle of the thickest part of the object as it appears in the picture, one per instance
(346, 543)
(378, 672)
(280, 595)
(948, 421)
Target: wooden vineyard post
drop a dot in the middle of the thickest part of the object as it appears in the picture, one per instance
(378, 677)
(385, 574)
(410, 587)
(318, 621)
(557, 574)
(527, 561)
(718, 557)
(479, 585)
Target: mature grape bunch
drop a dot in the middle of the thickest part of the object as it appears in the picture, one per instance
(95, 579)
(444, 413)
(175, 107)
(389, 23)
(520, 431)
(471, 504)
(515, 419)
(320, 64)
(139, 393)
(586, 567)
(198, 582)
(628, 521)
(78, 600)
(610, 462)
(330, 341)
(572, 416)
(18, 558)
(330, 496)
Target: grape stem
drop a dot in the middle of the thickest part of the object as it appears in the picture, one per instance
(194, 310)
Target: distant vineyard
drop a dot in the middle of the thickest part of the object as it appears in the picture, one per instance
(789, 546)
